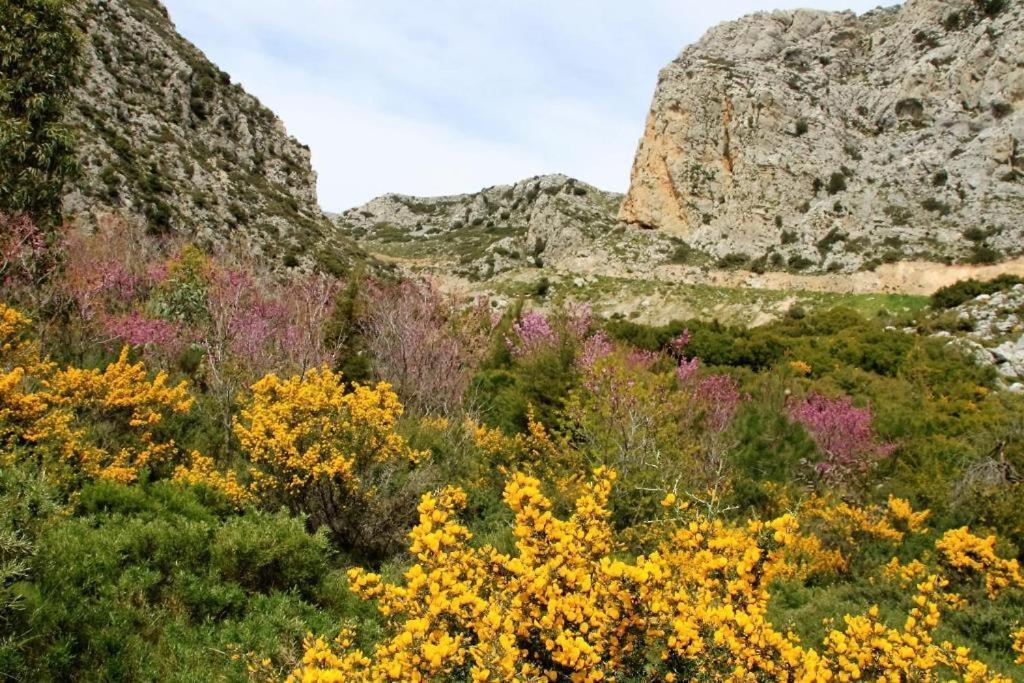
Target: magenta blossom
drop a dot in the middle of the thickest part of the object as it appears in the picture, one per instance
(687, 369)
(530, 334)
(842, 431)
(720, 397)
(136, 329)
(597, 346)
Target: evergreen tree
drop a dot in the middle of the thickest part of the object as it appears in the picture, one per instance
(39, 55)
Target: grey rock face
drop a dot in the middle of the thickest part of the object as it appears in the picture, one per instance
(841, 141)
(164, 134)
(530, 223)
(996, 331)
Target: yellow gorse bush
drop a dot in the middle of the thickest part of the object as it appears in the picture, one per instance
(968, 555)
(202, 470)
(564, 607)
(308, 429)
(22, 409)
(124, 395)
(57, 411)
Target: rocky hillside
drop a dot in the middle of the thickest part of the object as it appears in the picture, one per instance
(816, 140)
(990, 327)
(534, 223)
(165, 134)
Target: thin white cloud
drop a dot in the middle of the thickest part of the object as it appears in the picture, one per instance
(448, 96)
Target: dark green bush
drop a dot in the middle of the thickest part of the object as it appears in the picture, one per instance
(965, 290)
(836, 183)
(267, 552)
(147, 583)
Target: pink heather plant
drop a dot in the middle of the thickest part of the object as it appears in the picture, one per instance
(578, 321)
(843, 433)
(687, 369)
(22, 251)
(425, 344)
(530, 334)
(720, 398)
(161, 336)
(597, 346)
(678, 345)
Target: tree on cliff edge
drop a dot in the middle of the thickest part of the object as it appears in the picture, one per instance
(39, 55)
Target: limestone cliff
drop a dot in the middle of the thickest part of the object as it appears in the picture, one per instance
(535, 222)
(826, 140)
(165, 135)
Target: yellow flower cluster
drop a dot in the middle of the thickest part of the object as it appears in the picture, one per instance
(22, 409)
(565, 607)
(868, 650)
(121, 394)
(1018, 644)
(202, 470)
(536, 452)
(850, 524)
(968, 554)
(800, 367)
(905, 574)
(57, 412)
(308, 429)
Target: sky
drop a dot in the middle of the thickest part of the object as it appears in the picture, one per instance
(434, 97)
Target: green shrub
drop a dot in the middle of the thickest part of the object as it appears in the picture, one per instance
(965, 290)
(983, 254)
(267, 552)
(836, 183)
(147, 583)
(733, 260)
(936, 206)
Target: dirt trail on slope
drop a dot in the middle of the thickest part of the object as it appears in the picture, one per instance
(905, 277)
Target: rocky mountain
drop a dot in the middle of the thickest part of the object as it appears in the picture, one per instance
(831, 141)
(165, 135)
(533, 223)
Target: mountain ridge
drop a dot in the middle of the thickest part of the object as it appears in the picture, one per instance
(166, 136)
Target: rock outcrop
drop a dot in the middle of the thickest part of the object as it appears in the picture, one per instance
(990, 328)
(165, 135)
(824, 140)
(531, 223)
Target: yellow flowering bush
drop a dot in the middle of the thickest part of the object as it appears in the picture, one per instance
(322, 447)
(121, 399)
(535, 451)
(22, 408)
(970, 555)
(202, 470)
(101, 423)
(565, 606)
(307, 429)
(799, 367)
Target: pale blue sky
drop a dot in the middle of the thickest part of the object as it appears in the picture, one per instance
(447, 96)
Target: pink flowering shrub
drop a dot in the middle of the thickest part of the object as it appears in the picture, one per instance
(24, 258)
(843, 433)
(719, 398)
(536, 332)
(425, 344)
(530, 334)
(595, 347)
(135, 329)
(686, 369)
(105, 270)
